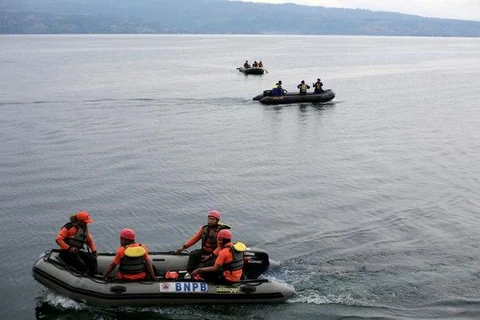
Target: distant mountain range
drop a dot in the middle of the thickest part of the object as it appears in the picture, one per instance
(215, 17)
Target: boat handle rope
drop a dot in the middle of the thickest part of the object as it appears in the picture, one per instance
(58, 265)
(249, 282)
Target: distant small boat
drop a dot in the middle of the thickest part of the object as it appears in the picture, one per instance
(267, 98)
(252, 70)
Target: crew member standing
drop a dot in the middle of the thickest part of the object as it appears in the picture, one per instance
(318, 86)
(303, 87)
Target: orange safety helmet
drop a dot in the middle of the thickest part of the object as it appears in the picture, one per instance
(128, 234)
(215, 214)
(84, 216)
(224, 234)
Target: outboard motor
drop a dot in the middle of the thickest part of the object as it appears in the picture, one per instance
(255, 262)
(267, 93)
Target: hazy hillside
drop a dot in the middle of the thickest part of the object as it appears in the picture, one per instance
(215, 16)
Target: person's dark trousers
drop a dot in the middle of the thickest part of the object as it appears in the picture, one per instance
(217, 278)
(214, 277)
(195, 260)
(82, 261)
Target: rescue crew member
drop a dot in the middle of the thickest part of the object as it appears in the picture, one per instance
(246, 65)
(72, 239)
(132, 257)
(208, 234)
(260, 64)
(303, 87)
(228, 266)
(278, 90)
(318, 87)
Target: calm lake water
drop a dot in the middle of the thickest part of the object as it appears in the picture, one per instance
(370, 202)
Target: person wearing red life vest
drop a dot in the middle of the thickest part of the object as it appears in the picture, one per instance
(210, 249)
(72, 238)
(132, 257)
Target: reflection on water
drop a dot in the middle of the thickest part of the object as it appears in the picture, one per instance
(302, 106)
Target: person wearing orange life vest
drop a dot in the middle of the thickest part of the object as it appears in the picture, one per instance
(72, 238)
(228, 265)
(303, 87)
(210, 249)
(132, 257)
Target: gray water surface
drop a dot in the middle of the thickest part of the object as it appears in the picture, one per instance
(369, 202)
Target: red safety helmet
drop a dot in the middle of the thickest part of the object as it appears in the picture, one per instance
(84, 216)
(224, 234)
(128, 234)
(215, 214)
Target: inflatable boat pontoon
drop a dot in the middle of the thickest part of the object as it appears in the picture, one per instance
(251, 70)
(51, 271)
(267, 98)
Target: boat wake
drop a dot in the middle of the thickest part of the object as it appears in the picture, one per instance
(59, 302)
(314, 297)
(54, 306)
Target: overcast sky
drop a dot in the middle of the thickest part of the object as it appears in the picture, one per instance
(451, 9)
